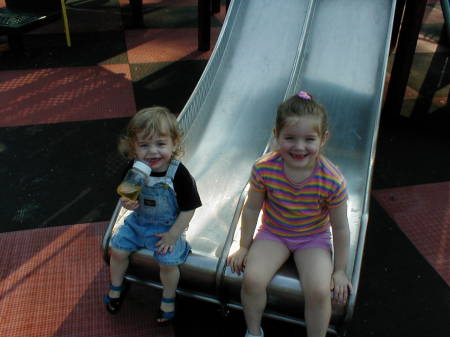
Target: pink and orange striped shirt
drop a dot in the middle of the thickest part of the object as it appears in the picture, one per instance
(293, 210)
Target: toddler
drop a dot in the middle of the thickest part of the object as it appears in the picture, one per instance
(162, 212)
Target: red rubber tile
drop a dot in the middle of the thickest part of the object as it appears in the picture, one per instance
(179, 3)
(57, 95)
(423, 213)
(52, 281)
(166, 45)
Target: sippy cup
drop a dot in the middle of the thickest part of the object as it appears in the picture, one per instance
(134, 180)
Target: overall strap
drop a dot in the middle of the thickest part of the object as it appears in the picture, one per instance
(173, 167)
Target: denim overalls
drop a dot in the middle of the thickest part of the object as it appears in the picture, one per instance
(157, 212)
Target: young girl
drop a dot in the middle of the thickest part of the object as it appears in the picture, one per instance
(302, 194)
(163, 211)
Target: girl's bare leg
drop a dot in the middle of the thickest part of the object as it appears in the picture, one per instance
(315, 268)
(169, 275)
(118, 266)
(264, 259)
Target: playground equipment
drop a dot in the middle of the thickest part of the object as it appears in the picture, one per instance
(268, 50)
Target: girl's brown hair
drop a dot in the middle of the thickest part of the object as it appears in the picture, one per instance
(299, 106)
(152, 121)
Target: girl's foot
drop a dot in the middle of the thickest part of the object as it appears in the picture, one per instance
(115, 298)
(166, 312)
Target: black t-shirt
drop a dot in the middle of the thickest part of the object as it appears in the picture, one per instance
(185, 188)
(184, 185)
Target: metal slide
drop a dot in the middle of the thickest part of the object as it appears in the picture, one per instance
(267, 50)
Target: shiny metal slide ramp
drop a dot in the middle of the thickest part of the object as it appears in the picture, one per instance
(266, 51)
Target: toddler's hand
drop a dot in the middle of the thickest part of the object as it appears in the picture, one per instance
(341, 287)
(237, 260)
(167, 243)
(130, 205)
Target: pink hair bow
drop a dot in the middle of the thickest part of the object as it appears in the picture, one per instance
(304, 95)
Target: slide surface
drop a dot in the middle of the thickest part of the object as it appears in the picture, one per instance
(268, 50)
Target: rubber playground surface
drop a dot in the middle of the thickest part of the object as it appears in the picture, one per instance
(63, 109)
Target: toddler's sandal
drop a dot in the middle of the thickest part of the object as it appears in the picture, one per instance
(113, 305)
(165, 317)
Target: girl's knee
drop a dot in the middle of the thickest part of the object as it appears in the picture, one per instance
(164, 268)
(119, 255)
(253, 284)
(318, 294)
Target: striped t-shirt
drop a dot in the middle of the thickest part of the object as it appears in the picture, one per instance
(293, 210)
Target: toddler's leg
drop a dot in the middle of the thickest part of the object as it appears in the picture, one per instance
(315, 267)
(264, 259)
(118, 266)
(169, 275)
(116, 294)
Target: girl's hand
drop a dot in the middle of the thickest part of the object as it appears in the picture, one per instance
(341, 287)
(238, 260)
(167, 243)
(130, 205)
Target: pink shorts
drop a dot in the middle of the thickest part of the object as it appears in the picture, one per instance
(321, 240)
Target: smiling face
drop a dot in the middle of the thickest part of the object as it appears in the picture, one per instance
(300, 141)
(156, 150)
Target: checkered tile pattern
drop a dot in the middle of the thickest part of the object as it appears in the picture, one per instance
(61, 112)
(51, 83)
(53, 278)
(422, 212)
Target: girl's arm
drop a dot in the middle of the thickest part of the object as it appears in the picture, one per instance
(168, 239)
(249, 219)
(341, 242)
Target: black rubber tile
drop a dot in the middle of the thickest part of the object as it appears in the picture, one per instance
(59, 174)
(408, 151)
(166, 16)
(46, 51)
(167, 84)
